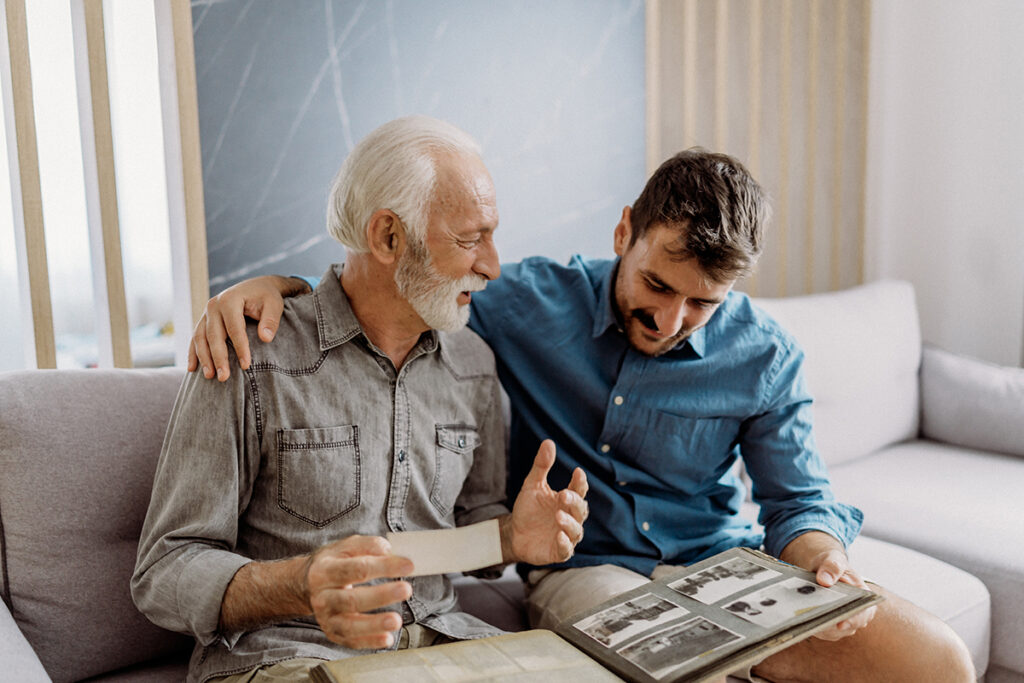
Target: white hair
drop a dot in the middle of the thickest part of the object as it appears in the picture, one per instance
(394, 167)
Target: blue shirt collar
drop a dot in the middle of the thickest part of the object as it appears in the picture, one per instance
(604, 316)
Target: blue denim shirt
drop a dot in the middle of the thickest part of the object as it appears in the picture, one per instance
(658, 437)
(319, 439)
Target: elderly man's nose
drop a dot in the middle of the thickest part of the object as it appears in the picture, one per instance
(488, 264)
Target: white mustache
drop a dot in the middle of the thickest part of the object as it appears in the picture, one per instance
(471, 283)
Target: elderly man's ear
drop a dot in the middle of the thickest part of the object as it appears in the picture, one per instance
(385, 236)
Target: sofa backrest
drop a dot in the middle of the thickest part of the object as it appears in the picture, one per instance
(863, 351)
(78, 449)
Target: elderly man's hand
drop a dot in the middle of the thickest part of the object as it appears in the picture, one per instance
(545, 525)
(341, 606)
(259, 298)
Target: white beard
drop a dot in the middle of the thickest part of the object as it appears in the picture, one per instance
(432, 295)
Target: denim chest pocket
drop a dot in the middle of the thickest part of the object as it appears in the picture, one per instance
(453, 458)
(318, 473)
(690, 452)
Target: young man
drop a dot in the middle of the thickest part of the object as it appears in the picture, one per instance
(654, 377)
(374, 412)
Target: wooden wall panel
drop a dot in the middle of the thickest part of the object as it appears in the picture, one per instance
(782, 85)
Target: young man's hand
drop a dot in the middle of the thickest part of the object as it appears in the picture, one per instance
(822, 554)
(545, 525)
(260, 298)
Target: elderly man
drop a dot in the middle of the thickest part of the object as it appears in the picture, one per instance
(374, 412)
(654, 376)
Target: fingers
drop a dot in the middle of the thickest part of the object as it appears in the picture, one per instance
(193, 358)
(841, 569)
(344, 613)
(201, 349)
(541, 465)
(233, 327)
(579, 482)
(362, 631)
(847, 627)
(270, 318)
(342, 601)
(359, 599)
(571, 502)
(216, 337)
(832, 567)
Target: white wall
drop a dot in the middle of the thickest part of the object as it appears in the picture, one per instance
(946, 167)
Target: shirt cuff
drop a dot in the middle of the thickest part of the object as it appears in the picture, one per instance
(839, 520)
(200, 592)
(311, 281)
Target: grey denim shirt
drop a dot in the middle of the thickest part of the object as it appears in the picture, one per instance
(319, 439)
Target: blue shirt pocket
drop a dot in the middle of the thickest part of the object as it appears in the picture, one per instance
(689, 454)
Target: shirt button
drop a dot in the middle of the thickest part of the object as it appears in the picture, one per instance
(646, 526)
(622, 483)
(401, 456)
(619, 400)
(605, 448)
(462, 442)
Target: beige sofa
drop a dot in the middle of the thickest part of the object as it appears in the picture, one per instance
(925, 447)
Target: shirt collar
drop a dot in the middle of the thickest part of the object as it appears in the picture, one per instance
(605, 317)
(336, 322)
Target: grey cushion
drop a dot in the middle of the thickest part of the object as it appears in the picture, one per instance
(78, 449)
(863, 350)
(497, 601)
(971, 403)
(958, 505)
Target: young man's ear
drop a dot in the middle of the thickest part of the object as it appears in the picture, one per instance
(385, 233)
(623, 232)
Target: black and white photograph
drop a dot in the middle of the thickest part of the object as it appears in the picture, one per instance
(627, 619)
(723, 580)
(782, 601)
(675, 646)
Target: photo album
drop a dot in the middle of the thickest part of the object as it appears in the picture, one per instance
(711, 618)
(706, 620)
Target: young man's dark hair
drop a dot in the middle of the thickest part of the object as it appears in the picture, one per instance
(719, 208)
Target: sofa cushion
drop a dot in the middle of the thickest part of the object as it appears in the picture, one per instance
(955, 504)
(863, 349)
(78, 449)
(958, 598)
(971, 403)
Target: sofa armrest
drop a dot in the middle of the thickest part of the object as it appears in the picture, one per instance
(18, 661)
(971, 403)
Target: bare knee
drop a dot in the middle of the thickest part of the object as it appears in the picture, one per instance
(952, 660)
(930, 646)
(902, 643)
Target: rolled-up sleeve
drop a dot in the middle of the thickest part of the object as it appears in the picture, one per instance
(789, 477)
(186, 555)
